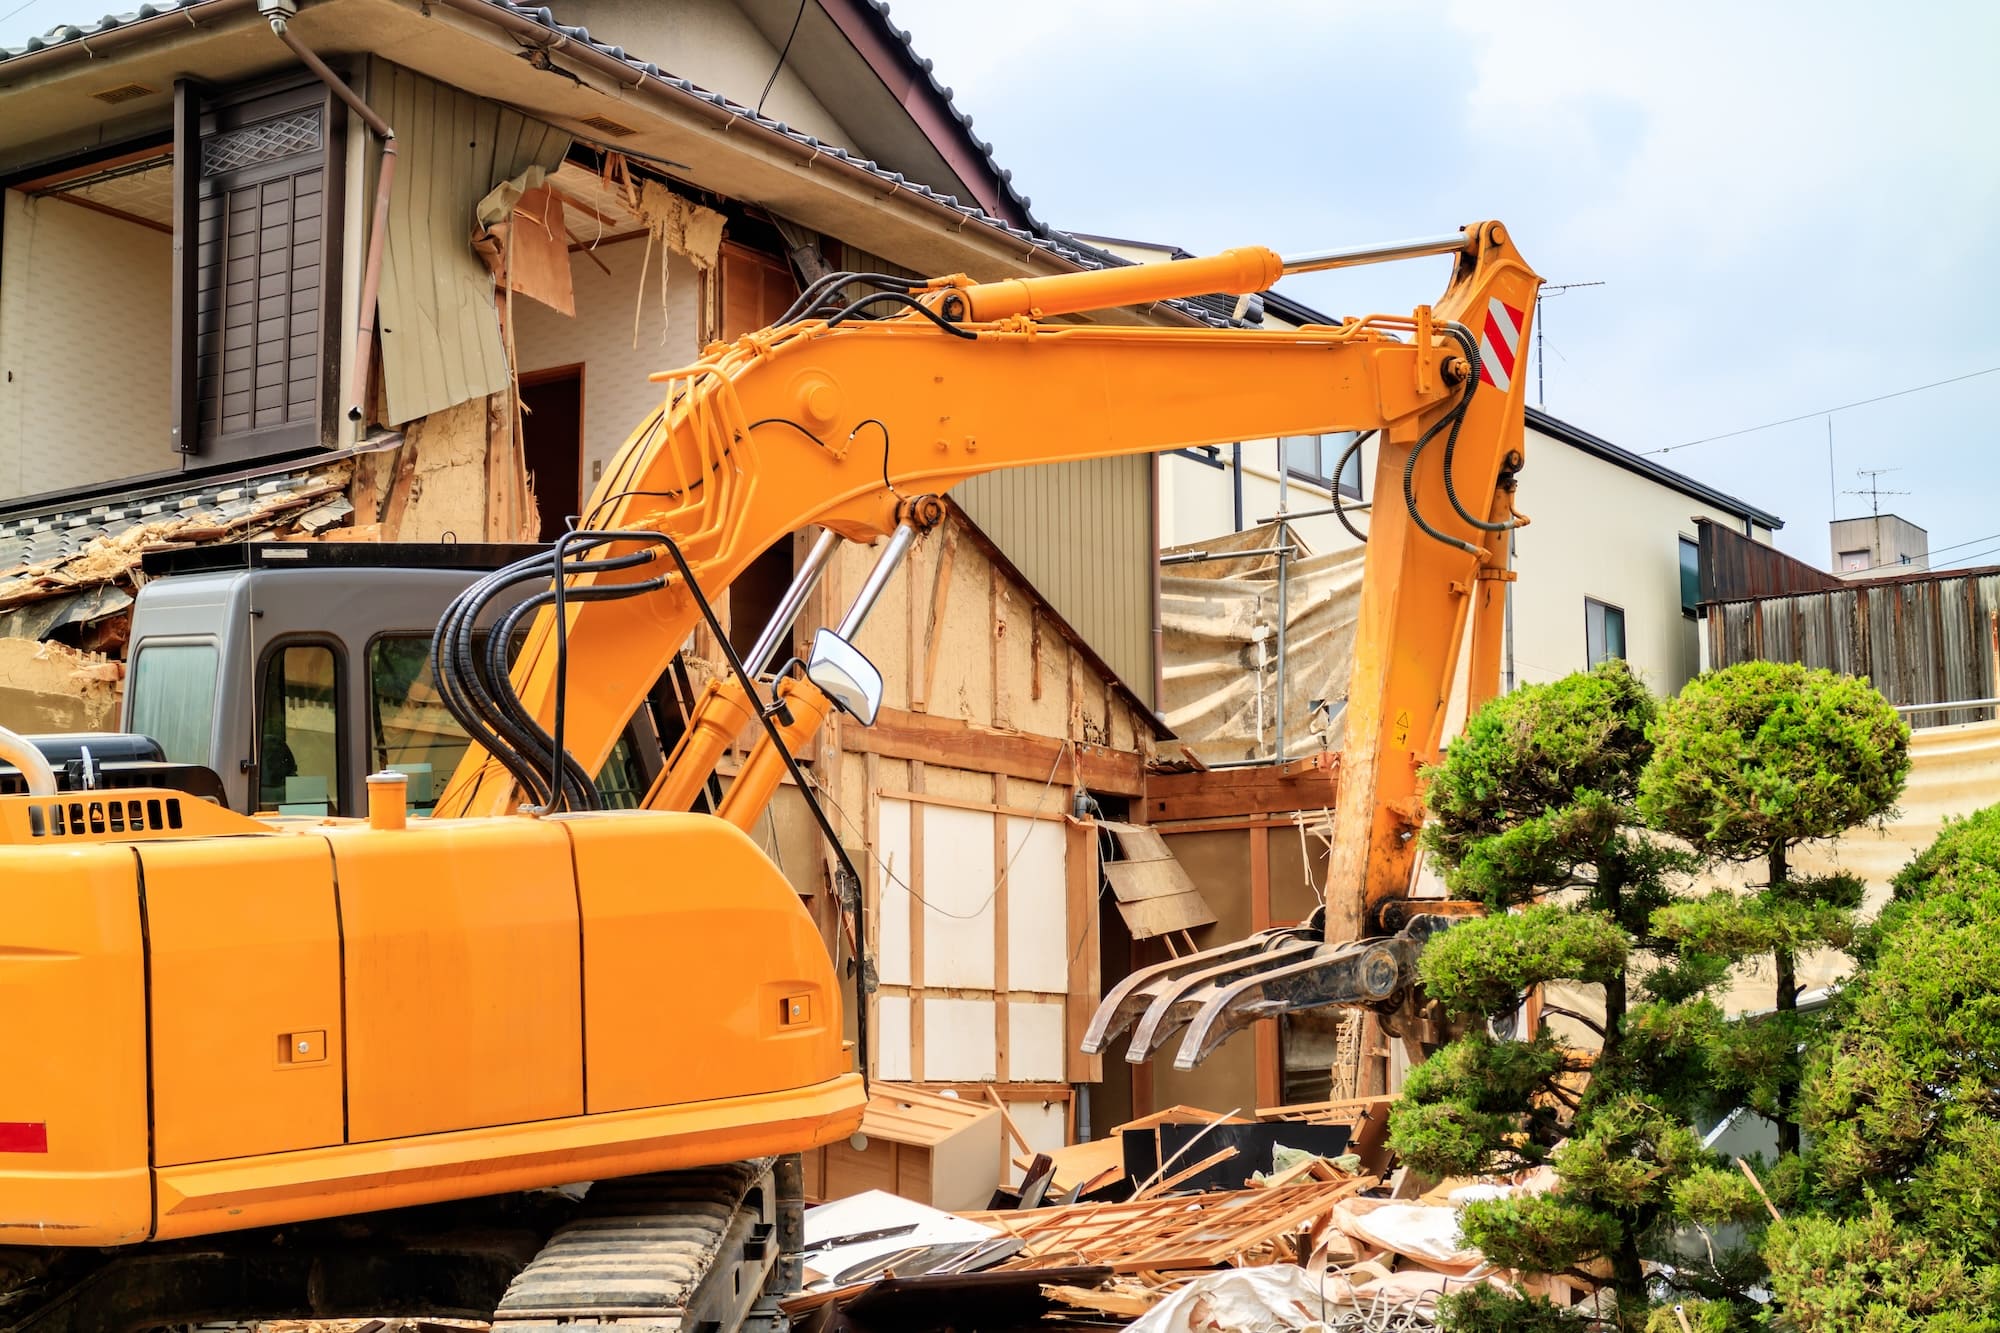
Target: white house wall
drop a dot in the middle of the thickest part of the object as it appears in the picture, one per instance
(616, 393)
(87, 397)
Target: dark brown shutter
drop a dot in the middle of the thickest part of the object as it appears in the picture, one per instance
(266, 276)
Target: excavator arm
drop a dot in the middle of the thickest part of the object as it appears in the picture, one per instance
(852, 423)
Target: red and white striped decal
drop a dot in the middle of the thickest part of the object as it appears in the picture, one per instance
(1499, 343)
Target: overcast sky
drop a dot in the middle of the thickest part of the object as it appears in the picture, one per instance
(1792, 206)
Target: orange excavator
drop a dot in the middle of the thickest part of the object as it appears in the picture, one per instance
(224, 1035)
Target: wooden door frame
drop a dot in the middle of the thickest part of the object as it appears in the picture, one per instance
(528, 379)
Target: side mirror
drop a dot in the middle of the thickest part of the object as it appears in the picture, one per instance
(845, 676)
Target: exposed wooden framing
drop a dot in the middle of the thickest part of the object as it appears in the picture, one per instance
(1240, 792)
(1000, 779)
(919, 925)
(1035, 652)
(997, 600)
(1001, 1033)
(933, 637)
(1265, 1032)
(903, 735)
(871, 911)
(1085, 980)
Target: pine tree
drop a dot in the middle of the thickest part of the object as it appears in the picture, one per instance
(1902, 1100)
(1749, 762)
(1535, 817)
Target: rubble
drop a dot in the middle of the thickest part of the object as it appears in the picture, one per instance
(1178, 1221)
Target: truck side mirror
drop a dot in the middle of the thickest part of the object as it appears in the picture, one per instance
(845, 676)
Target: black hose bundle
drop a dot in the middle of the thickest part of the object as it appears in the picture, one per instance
(477, 688)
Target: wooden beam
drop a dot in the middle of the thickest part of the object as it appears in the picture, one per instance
(184, 411)
(1265, 1033)
(905, 735)
(1224, 793)
(1082, 941)
(1001, 1029)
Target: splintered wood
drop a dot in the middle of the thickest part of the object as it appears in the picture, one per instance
(1199, 1231)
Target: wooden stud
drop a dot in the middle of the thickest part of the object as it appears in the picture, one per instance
(871, 912)
(934, 628)
(997, 599)
(1001, 1032)
(1081, 939)
(919, 921)
(1035, 652)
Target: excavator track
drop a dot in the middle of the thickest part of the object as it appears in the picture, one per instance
(701, 1251)
(684, 1252)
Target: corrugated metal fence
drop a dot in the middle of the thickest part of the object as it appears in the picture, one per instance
(1921, 640)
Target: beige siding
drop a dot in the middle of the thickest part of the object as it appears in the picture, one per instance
(85, 325)
(1082, 534)
(440, 331)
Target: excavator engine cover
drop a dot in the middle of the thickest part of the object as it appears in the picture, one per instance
(216, 1022)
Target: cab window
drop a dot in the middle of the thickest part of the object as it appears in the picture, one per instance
(173, 698)
(298, 732)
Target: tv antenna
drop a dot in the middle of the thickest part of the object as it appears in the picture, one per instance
(1548, 290)
(1874, 490)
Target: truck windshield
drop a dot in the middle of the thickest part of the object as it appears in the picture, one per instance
(173, 698)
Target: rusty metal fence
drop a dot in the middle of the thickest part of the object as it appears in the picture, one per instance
(1929, 642)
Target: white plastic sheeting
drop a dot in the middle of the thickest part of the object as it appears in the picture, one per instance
(1220, 623)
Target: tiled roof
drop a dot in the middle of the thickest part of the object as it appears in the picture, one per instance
(76, 32)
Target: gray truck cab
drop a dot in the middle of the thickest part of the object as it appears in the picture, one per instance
(295, 669)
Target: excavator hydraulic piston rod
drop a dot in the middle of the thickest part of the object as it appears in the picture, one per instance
(1250, 268)
(758, 659)
(1351, 256)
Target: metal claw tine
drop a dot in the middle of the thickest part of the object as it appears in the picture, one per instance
(1132, 996)
(1159, 1023)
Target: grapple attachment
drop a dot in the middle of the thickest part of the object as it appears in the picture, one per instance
(1218, 992)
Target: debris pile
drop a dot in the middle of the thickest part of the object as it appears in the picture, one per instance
(1179, 1221)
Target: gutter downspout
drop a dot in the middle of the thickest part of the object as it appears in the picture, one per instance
(279, 13)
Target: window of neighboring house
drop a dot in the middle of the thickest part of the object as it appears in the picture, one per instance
(1313, 457)
(298, 731)
(1690, 576)
(1853, 562)
(173, 698)
(1603, 631)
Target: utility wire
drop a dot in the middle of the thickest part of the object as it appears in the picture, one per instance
(1824, 411)
(778, 68)
(1888, 564)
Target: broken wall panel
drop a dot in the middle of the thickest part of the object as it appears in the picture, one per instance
(981, 909)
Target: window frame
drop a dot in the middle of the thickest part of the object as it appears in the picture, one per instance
(1690, 607)
(1624, 652)
(1319, 477)
(342, 723)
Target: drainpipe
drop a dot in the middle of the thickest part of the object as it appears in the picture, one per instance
(279, 13)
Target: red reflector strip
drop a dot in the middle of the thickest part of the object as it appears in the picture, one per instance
(23, 1136)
